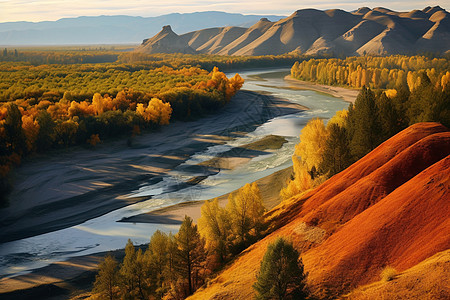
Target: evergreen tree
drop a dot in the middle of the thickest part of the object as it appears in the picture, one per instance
(389, 117)
(336, 155)
(400, 102)
(15, 139)
(170, 272)
(157, 255)
(128, 271)
(281, 274)
(142, 275)
(45, 136)
(364, 125)
(190, 254)
(422, 104)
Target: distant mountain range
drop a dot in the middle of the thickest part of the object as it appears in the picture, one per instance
(311, 31)
(115, 29)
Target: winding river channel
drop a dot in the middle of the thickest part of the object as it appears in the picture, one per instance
(102, 232)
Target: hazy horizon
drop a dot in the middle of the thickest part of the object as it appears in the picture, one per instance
(52, 10)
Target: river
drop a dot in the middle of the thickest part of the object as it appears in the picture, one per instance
(104, 233)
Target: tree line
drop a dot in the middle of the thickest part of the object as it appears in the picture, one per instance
(376, 72)
(38, 57)
(144, 61)
(55, 116)
(208, 61)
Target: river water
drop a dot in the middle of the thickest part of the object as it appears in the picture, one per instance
(105, 233)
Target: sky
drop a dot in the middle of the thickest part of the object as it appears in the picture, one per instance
(51, 10)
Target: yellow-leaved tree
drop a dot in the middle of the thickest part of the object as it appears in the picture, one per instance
(107, 281)
(390, 93)
(340, 118)
(235, 83)
(31, 130)
(308, 157)
(156, 111)
(312, 144)
(97, 102)
(302, 180)
(246, 211)
(214, 226)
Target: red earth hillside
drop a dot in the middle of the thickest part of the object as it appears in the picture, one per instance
(407, 226)
(359, 170)
(389, 208)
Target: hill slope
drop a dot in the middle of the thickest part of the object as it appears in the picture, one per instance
(311, 31)
(426, 278)
(389, 208)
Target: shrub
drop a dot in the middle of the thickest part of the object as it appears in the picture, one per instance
(388, 273)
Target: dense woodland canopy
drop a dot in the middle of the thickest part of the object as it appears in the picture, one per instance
(208, 61)
(140, 61)
(60, 56)
(61, 97)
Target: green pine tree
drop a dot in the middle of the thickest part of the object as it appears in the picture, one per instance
(128, 271)
(336, 156)
(15, 137)
(281, 275)
(190, 255)
(364, 125)
(389, 117)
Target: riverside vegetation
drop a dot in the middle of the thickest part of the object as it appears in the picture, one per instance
(60, 105)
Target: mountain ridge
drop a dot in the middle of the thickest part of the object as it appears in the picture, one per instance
(377, 31)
